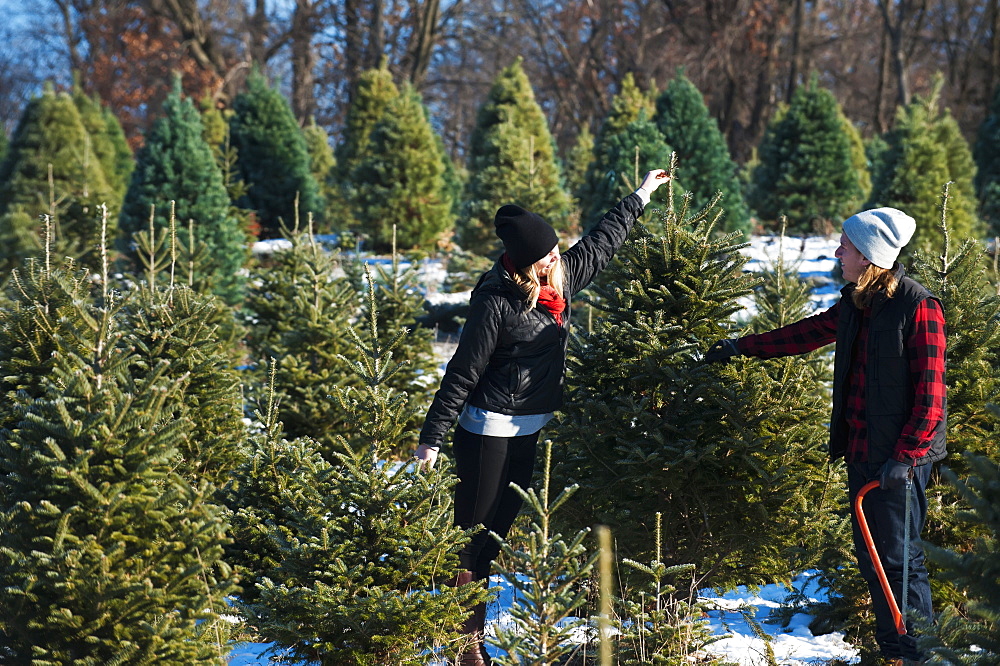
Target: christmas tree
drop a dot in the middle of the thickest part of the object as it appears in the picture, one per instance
(987, 156)
(108, 142)
(650, 428)
(400, 180)
(512, 160)
(612, 167)
(321, 165)
(576, 163)
(925, 151)
(705, 166)
(806, 171)
(345, 560)
(176, 178)
(50, 169)
(971, 635)
(273, 158)
(299, 309)
(108, 554)
(375, 89)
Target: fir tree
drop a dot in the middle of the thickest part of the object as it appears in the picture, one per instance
(176, 177)
(553, 591)
(50, 136)
(624, 157)
(512, 160)
(975, 572)
(604, 173)
(100, 537)
(273, 158)
(219, 139)
(577, 161)
(806, 171)
(345, 561)
(705, 166)
(108, 143)
(713, 449)
(400, 180)
(321, 163)
(987, 157)
(925, 151)
(299, 310)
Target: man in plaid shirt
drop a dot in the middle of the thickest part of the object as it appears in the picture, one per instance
(889, 403)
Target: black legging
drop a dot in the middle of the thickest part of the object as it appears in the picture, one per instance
(486, 467)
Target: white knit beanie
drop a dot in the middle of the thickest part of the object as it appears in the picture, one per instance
(880, 233)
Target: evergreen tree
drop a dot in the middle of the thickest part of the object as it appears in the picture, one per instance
(344, 561)
(51, 135)
(577, 162)
(987, 157)
(604, 174)
(375, 89)
(299, 309)
(925, 151)
(108, 143)
(100, 537)
(552, 592)
(971, 635)
(4, 143)
(705, 166)
(400, 180)
(219, 139)
(321, 165)
(859, 157)
(512, 159)
(714, 449)
(624, 157)
(273, 158)
(176, 178)
(806, 172)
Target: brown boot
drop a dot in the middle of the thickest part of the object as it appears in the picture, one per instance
(472, 628)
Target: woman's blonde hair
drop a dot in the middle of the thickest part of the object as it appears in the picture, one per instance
(528, 280)
(874, 279)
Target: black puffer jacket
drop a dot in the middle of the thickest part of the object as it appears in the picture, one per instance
(510, 359)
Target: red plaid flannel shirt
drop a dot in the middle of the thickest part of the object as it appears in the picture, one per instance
(925, 348)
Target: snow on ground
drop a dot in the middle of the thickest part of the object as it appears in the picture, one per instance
(793, 645)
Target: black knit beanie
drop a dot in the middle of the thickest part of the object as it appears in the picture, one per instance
(526, 236)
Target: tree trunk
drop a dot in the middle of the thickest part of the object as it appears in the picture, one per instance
(305, 23)
(426, 37)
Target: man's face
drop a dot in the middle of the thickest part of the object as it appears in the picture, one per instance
(852, 262)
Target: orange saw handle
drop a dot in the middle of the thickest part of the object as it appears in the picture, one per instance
(879, 571)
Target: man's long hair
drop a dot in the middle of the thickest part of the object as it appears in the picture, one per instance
(528, 280)
(874, 280)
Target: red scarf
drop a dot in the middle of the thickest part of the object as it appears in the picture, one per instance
(548, 297)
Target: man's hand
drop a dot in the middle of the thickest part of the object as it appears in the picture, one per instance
(426, 457)
(722, 351)
(894, 474)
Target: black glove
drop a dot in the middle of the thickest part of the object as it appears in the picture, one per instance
(723, 350)
(894, 474)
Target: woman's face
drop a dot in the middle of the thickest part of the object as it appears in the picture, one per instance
(852, 262)
(545, 264)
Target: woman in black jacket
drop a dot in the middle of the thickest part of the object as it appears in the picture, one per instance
(505, 380)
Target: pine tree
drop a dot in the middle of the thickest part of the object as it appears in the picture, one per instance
(553, 591)
(175, 168)
(624, 158)
(713, 448)
(926, 150)
(512, 159)
(975, 572)
(321, 165)
(577, 161)
(344, 561)
(400, 180)
(273, 158)
(50, 135)
(299, 310)
(987, 157)
(108, 143)
(219, 139)
(806, 171)
(705, 166)
(100, 537)
(604, 173)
